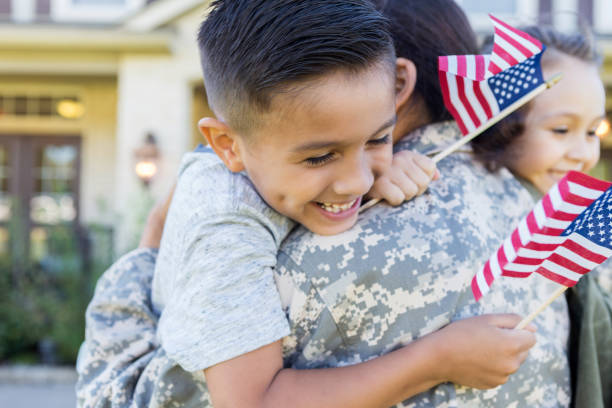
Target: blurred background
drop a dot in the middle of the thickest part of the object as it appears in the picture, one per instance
(98, 101)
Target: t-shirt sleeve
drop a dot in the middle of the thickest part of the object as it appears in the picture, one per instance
(223, 301)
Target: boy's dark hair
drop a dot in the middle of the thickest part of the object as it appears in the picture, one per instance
(252, 50)
(422, 31)
(493, 146)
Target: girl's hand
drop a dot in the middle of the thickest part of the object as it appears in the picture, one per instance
(409, 177)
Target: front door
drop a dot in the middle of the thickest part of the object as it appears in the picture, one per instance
(39, 193)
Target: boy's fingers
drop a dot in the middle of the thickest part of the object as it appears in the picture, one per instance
(407, 186)
(426, 164)
(411, 173)
(384, 188)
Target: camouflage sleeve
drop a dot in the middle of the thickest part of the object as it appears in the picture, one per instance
(603, 275)
(121, 363)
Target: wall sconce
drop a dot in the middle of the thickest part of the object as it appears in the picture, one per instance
(146, 157)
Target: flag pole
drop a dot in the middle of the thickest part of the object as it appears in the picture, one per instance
(523, 323)
(465, 139)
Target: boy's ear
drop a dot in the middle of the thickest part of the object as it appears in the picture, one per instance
(223, 141)
(405, 81)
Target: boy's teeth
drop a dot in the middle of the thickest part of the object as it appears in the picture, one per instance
(336, 208)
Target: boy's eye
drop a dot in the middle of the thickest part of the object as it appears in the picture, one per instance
(319, 160)
(380, 141)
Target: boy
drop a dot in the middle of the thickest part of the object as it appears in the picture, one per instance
(311, 128)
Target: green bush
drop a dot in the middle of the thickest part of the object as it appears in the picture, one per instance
(42, 304)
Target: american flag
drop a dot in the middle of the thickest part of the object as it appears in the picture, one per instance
(476, 88)
(566, 235)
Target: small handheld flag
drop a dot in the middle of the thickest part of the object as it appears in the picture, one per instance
(566, 235)
(476, 88)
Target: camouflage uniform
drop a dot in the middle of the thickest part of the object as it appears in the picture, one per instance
(404, 272)
(603, 275)
(399, 274)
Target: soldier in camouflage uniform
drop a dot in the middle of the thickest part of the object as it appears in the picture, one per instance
(404, 272)
(395, 277)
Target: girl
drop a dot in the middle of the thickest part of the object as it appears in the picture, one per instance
(557, 132)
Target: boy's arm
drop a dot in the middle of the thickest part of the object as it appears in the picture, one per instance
(409, 176)
(479, 352)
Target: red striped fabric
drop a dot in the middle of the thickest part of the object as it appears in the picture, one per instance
(549, 240)
(464, 78)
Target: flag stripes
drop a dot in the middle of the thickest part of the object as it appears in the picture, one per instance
(549, 240)
(476, 88)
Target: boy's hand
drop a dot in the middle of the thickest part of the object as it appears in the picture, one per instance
(409, 177)
(482, 352)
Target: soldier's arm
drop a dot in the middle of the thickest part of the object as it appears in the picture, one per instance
(479, 352)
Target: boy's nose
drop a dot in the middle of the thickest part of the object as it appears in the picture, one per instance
(356, 178)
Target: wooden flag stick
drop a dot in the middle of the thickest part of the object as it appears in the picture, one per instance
(465, 139)
(523, 323)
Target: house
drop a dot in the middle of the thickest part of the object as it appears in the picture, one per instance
(82, 85)
(87, 87)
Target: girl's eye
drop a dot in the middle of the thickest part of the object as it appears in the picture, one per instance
(319, 160)
(380, 141)
(561, 130)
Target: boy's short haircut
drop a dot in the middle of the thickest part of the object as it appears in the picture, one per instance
(252, 50)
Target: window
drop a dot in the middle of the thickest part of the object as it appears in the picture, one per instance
(63, 107)
(98, 2)
(43, 8)
(5, 7)
(485, 7)
(39, 192)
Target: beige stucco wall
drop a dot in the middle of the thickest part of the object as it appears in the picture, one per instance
(155, 94)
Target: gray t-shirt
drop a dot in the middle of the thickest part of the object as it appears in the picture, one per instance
(213, 282)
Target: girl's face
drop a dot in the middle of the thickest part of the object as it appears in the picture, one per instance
(560, 127)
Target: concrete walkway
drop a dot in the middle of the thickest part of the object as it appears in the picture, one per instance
(38, 386)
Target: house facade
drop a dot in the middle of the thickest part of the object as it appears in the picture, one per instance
(86, 84)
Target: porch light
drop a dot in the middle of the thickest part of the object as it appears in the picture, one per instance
(146, 158)
(70, 109)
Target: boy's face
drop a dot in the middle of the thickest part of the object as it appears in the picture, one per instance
(561, 126)
(320, 148)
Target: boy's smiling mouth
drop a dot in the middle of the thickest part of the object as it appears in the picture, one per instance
(335, 208)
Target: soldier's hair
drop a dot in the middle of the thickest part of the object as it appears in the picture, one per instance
(493, 146)
(252, 50)
(422, 31)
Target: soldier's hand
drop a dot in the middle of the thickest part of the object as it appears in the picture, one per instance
(483, 351)
(154, 227)
(409, 176)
